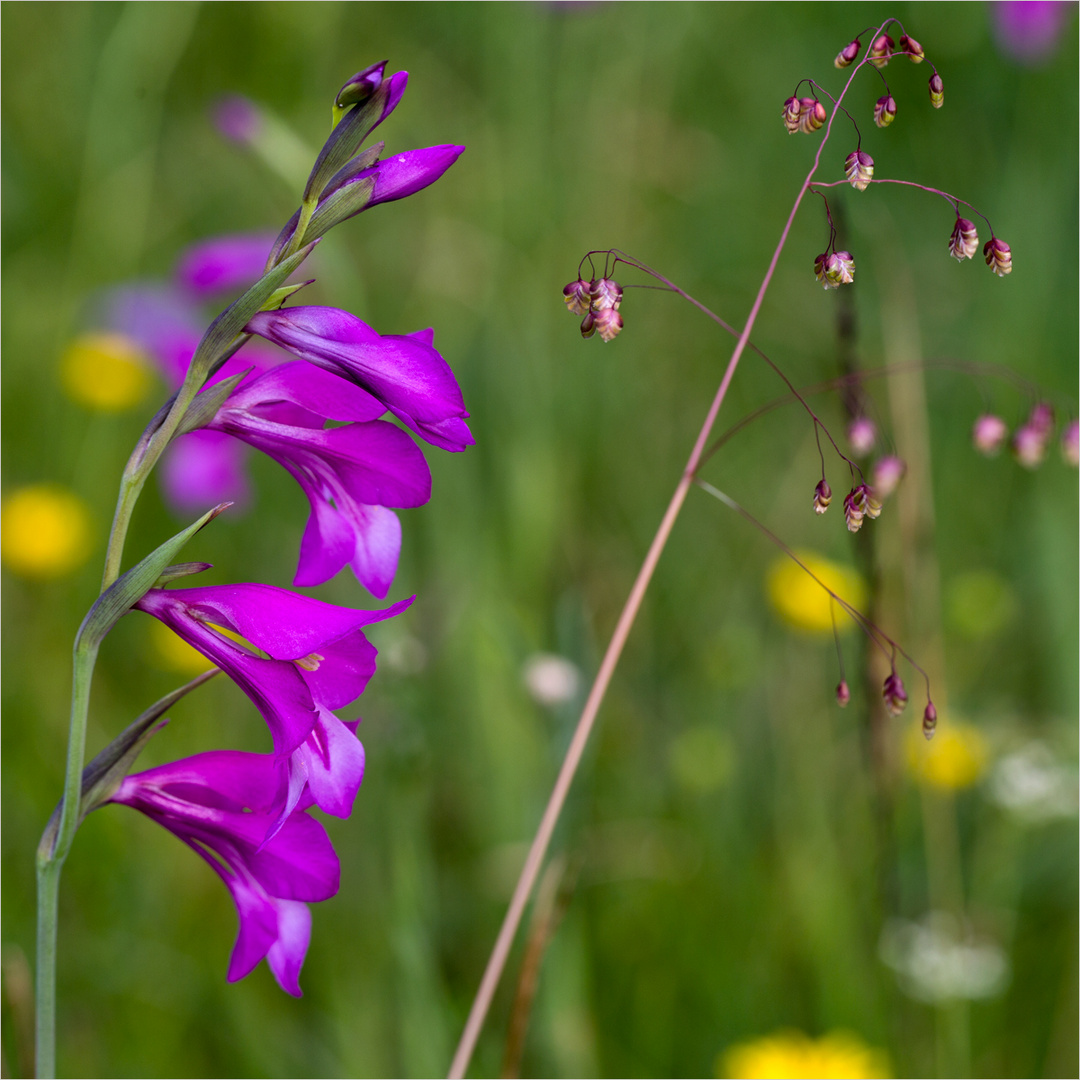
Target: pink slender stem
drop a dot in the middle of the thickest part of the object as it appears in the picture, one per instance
(531, 870)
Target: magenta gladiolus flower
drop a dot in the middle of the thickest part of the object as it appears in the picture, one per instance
(350, 474)
(403, 371)
(221, 805)
(298, 659)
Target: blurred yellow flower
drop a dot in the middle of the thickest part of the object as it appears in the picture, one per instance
(791, 1055)
(104, 371)
(955, 758)
(45, 531)
(173, 653)
(800, 601)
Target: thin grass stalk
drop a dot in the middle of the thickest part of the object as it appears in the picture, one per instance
(537, 851)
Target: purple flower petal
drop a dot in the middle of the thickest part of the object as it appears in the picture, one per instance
(219, 804)
(404, 371)
(400, 176)
(334, 658)
(350, 474)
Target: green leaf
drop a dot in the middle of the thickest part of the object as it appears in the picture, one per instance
(231, 322)
(205, 406)
(334, 209)
(104, 775)
(179, 570)
(131, 587)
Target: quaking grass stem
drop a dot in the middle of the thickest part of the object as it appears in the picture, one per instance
(527, 880)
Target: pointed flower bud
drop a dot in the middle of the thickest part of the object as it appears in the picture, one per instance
(859, 168)
(843, 694)
(910, 47)
(605, 294)
(937, 91)
(884, 111)
(822, 496)
(812, 115)
(989, 434)
(576, 296)
(894, 694)
(847, 55)
(790, 112)
(998, 256)
(881, 50)
(964, 241)
(834, 269)
(608, 323)
(888, 472)
(862, 434)
(929, 720)
(1070, 444)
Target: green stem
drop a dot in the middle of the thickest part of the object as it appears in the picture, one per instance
(138, 468)
(50, 860)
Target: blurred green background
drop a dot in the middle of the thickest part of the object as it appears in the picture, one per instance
(743, 856)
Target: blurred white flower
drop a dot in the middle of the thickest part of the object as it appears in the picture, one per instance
(405, 655)
(551, 680)
(1034, 785)
(936, 960)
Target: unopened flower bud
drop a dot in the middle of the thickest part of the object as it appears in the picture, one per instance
(998, 256)
(884, 111)
(847, 55)
(588, 325)
(812, 115)
(790, 113)
(964, 241)
(608, 323)
(888, 472)
(1070, 444)
(822, 496)
(576, 296)
(361, 86)
(843, 694)
(862, 434)
(912, 48)
(894, 694)
(605, 294)
(929, 720)
(881, 50)
(937, 91)
(989, 434)
(859, 168)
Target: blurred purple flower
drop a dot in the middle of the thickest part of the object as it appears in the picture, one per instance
(224, 262)
(221, 805)
(403, 371)
(298, 659)
(237, 118)
(350, 474)
(204, 467)
(1028, 31)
